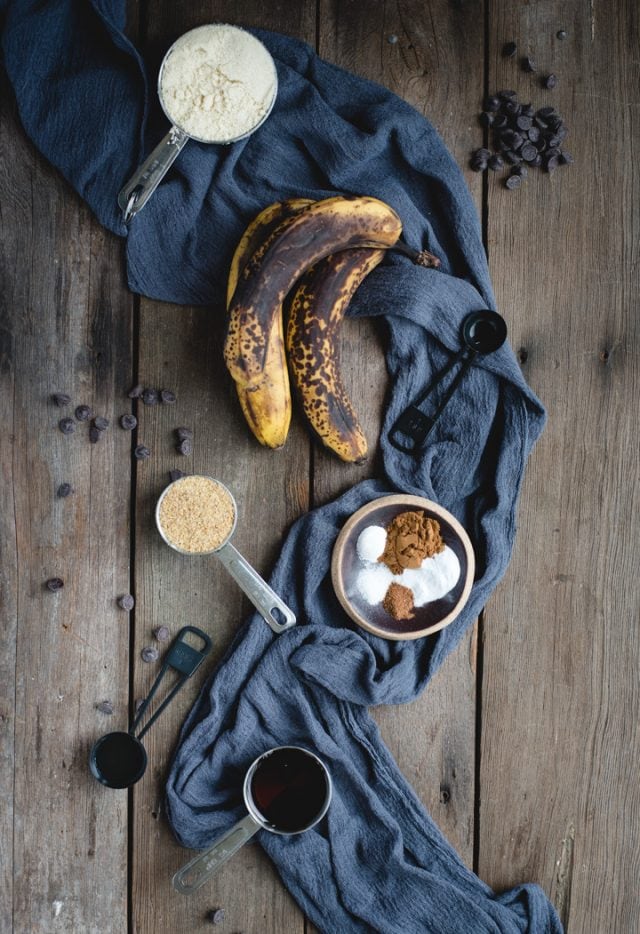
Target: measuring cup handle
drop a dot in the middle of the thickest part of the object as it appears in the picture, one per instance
(258, 591)
(200, 869)
(146, 179)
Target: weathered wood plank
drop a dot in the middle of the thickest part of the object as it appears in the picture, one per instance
(433, 58)
(560, 800)
(65, 327)
(181, 348)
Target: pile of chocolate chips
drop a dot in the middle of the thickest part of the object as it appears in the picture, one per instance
(522, 138)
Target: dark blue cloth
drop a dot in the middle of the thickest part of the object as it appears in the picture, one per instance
(377, 862)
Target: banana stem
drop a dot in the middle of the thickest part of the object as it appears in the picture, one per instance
(419, 257)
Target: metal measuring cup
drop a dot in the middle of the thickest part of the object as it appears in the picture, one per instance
(135, 194)
(200, 869)
(265, 600)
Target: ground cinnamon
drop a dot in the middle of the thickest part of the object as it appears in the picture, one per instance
(411, 538)
(398, 601)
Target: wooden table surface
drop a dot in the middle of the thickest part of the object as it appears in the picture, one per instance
(525, 747)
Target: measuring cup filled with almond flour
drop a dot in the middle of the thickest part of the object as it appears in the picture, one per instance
(217, 84)
(197, 515)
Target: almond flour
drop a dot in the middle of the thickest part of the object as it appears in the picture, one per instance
(218, 82)
(197, 514)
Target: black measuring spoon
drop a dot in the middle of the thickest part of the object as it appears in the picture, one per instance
(119, 759)
(483, 332)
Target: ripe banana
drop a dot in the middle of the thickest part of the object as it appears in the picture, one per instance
(319, 230)
(266, 403)
(318, 306)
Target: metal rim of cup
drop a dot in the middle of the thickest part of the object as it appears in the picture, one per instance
(181, 551)
(217, 142)
(255, 813)
(100, 776)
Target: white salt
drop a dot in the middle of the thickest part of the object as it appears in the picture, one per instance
(218, 83)
(371, 543)
(372, 583)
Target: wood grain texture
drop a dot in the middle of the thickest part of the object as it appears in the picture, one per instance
(433, 58)
(65, 327)
(181, 349)
(560, 799)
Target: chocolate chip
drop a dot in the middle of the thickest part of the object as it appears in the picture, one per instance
(64, 490)
(182, 433)
(520, 170)
(94, 434)
(161, 633)
(185, 446)
(141, 452)
(528, 152)
(83, 413)
(128, 422)
(150, 397)
(67, 426)
(512, 108)
(105, 706)
(552, 163)
(562, 132)
(126, 602)
(493, 104)
(528, 64)
(566, 158)
(167, 396)
(514, 181)
(507, 95)
(513, 158)
(499, 122)
(101, 423)
(537, 162)
(392, 39)
(524, 123)
(215, 916)
(550, 82)
(534, 134)
(54, 584)
(486, 118)
(176, 475)
(527, 110)
(546, 112)
(149, 653)
(561, 34)
(540, 123)
(135, 392)
(61, 399)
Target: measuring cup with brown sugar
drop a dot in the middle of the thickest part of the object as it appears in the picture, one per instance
(197, 515)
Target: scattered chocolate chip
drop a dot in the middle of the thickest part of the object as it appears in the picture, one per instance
(486, 118)
(176, 475)
(167, 396)
(182, 433)
(135, 392)
(64, 490)
(513, 158)
(493, 104)
(546, 112)
(524, 123)
(514, 181)
(185, 447)
(512, 108)
(83, 413)
(126, 602)
(61, 399)
(215, 916)
(534, 134)
(101, 423)
(149, 653)
(529, 152)
(552, 163)
(499, 122)
(537, 162)
(520, 170)
(161, 633)
(128, 422)
(54, 584)
(496, 163)
(561, 34)
(94, 434)
(509, 49)
(105, 706)
(150, 396)
(66, 426)
(392, 39)
(507, 95)
(528, 64)
(566, 158)
(141, 452)
(550, 82)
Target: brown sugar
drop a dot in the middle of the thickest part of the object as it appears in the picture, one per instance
(197, 514)
(411, 538)
(398, 601)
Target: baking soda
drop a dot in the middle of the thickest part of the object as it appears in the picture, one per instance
(218, 82)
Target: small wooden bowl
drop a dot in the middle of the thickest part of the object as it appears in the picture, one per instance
(345, 565)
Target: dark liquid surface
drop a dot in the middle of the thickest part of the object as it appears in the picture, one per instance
(119, 759)
(289, 789)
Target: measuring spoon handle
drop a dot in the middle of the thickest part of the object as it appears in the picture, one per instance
(200, 869)
(258, 591)
(146, 179)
